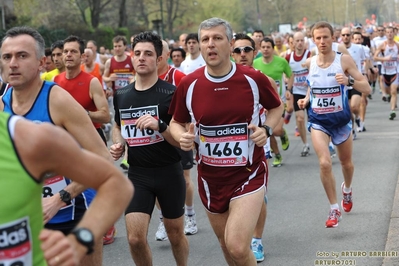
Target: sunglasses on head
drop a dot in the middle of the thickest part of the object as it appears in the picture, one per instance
(246, 49)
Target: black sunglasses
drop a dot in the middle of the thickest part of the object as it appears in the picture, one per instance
(345, 34)
(246, 49)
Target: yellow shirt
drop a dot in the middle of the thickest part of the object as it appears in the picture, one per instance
(283, 49)
(49, 76)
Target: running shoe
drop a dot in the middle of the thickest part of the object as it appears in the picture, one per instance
(333, 218)
(305, 151)
(297, 134)
(285, 142)
(357, 121)
(257, 249)
(346, 202)
(333, 153)
(384, 98)
(124, 165)
(287, 117)
(392, 115)
(278, 160)
(361, 128)
(109, 237)
(161, 234)
(190, 227)
(354, 135)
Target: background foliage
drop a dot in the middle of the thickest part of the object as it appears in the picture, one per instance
(101, 20)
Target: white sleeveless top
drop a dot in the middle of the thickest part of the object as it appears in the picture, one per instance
(300, 74)
(390, 67)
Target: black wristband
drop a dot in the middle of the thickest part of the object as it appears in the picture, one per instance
(162, 126)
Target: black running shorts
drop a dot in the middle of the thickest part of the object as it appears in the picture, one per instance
(166, 183)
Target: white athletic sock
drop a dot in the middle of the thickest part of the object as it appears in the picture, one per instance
(257, 240)
(347, 190)
(189, 210)
(334, 206)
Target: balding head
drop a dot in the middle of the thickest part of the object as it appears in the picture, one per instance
(299, 41)
(163, 64)
(165, 47)
(346, 36)
(89, 56)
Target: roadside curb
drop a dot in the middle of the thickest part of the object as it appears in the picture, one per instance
(392, 243)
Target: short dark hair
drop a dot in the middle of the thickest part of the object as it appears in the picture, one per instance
(149, 36)
(357, 33)
(24, 30)
(74, 38)
(119, 38)
(258, 31)
(268, 39)
(181, 50)
(192, 36)
(242, 36)
(47, 51)
(57, 44)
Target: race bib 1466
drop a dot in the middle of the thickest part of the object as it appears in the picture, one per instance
(224, 145)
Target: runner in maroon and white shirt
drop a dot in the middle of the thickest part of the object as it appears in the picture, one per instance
(223, 101)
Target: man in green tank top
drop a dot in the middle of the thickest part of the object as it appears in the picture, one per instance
(29, 153)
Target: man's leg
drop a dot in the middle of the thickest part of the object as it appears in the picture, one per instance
(234, 228)
(345, 157)
(218, 222)
(278, 131)
(257, 245)
(137, 230)
(175, 231)
(354, 101)
(300, 123)
(241, 222)
(362, 114)
(187, 161)
(260, 224)
(189, 188)
(382, 85)
(320, 144)
(394, 93)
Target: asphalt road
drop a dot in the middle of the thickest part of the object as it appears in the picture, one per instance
(298, 207)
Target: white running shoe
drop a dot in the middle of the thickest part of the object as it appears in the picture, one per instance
(161, 234)
(190, 227)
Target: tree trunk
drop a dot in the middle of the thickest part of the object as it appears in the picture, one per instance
(122, 14)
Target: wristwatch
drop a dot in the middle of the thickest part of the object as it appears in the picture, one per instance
(351, 81)
(269, 130)
(65, 196)
(162, 126)
(85, 237)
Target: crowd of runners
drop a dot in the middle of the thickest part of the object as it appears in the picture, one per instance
(215, 98)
